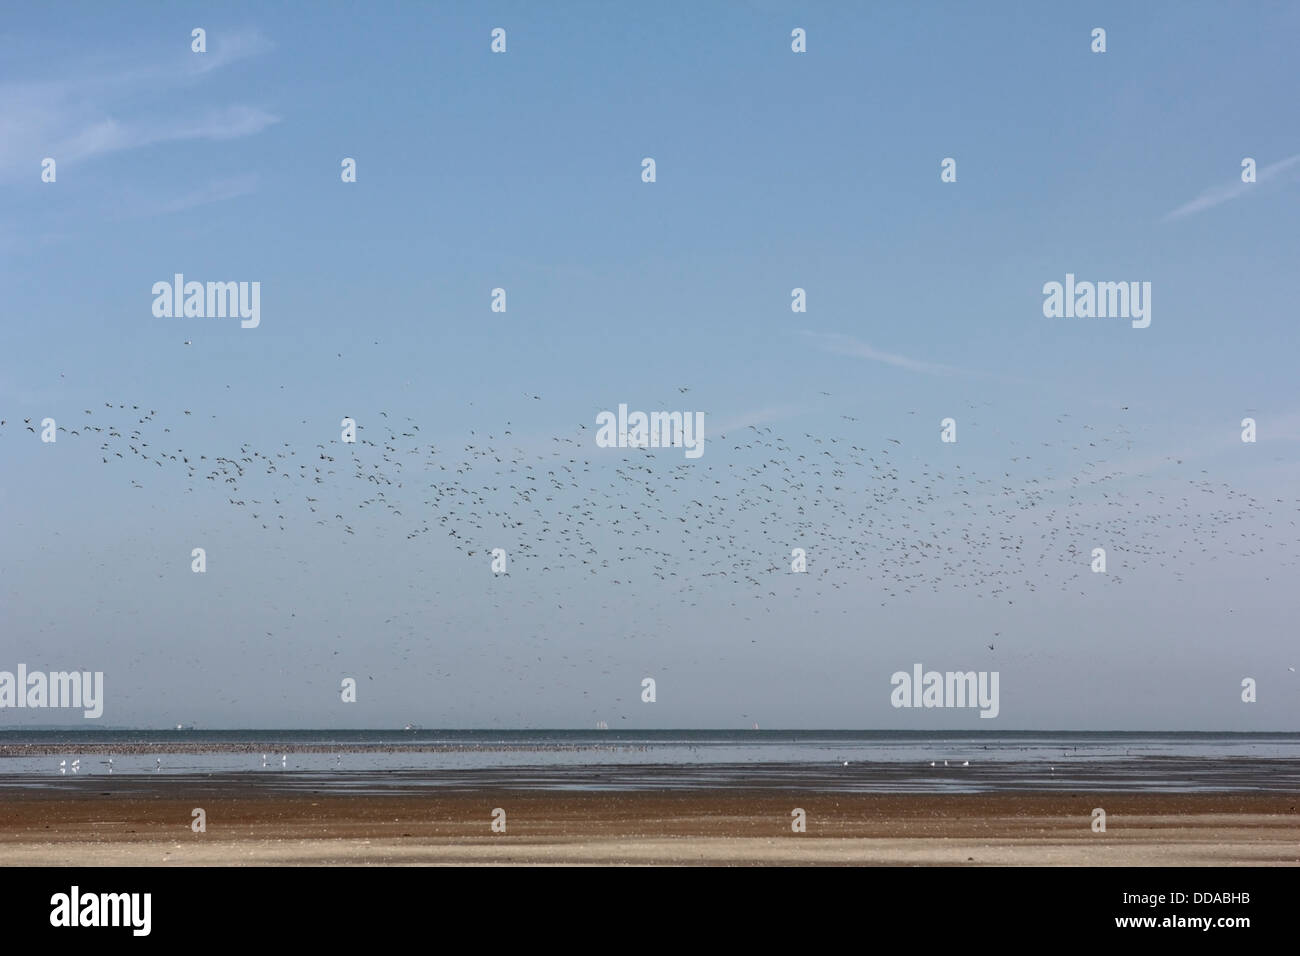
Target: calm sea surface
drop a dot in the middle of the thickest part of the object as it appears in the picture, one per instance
(859, 761)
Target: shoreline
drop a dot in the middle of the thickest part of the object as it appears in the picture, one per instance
(350, 771)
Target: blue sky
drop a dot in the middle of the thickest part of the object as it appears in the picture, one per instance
(774, 171)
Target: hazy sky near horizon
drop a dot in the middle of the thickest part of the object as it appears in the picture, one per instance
(774, 170)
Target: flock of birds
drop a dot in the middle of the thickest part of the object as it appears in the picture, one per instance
(856, 506)
(896, 518)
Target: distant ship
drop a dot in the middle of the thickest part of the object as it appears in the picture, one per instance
(756, 725)
(602, 725)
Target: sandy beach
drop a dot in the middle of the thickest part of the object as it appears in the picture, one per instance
(130, 821)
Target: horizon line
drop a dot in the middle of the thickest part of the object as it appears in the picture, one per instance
(748, 730)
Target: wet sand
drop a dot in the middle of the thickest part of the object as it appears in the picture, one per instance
(125, 821)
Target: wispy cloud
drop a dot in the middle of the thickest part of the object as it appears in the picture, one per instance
(217, 191)
(1234, 190)
(110, 135)
(845, 345)
(83, 115)
(226, 48)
